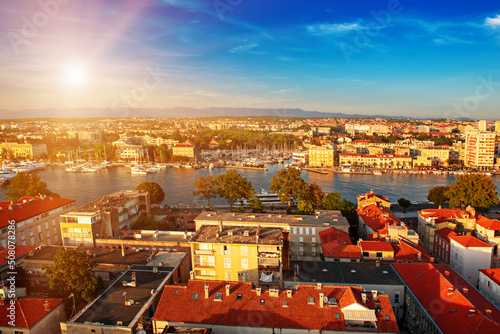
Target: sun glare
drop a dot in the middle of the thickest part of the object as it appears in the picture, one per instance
(75, 74)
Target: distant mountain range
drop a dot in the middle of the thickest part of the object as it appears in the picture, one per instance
(178, 112)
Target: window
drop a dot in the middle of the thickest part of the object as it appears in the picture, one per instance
(307, 230)
(262, 301)
(396, 296)
(244, 250)
(225, 250)
(239, 296)
(46, 225)
(31, 231)
(39, 228)
(310, 300)
(366, 254)
(301, 239)
(313, 230)
(195, 295)
(218, 296)
(295, 230)
(379, 254)
(227, 263)
(23, 236)
(244, 263)
(301, 230)
(176, 292)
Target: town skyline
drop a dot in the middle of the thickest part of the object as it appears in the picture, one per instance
(394, 58)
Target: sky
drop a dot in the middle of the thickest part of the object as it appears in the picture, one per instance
(414, 58)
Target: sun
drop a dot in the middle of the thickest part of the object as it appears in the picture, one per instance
(75, 74)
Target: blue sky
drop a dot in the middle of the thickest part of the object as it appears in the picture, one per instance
(412, 58)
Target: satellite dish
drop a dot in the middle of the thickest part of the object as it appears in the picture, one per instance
(325, 299)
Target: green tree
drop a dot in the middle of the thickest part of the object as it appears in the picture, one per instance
(288, 185)
(306, 207)
(72, 273)
(438, 195)
(475, 190)
(331, 201)
(27, 184)
(256, 204)
(205, 188)
(233, 187)
(155, 191)
(310, 197)
(146, 222)
(404, 203)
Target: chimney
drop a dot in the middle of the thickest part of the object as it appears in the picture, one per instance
(363, 297)
(319, 286)
(447, 273)
(419, 255)
(259, 291)
(191, 274)
(123, 250)
(465, 290)
(289, 293)
(321, 300)
(46, 306)
(228, 289)
(206, 291)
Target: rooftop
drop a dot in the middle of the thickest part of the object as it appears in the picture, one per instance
(19, 251)
(337, 244)
(110, 307)
(238, 235)
(438, 284)
(110, 202)
(375, 246)
(351, 273)
(29, 310)
(28, 207)
(469, 241)
(489, 224)
(493, 274)
(445, 233)
(322, 217)
(273, 308)
(377, 217)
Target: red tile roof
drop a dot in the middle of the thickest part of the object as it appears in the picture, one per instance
(450, 312)
(375, 246)
(407, 250)
(337, 244)
(469, 241)
(265, 310)
(493, 274)
(376, 217)
(28, 311)
(445, 233)
(19, 251)
(489, 224)
(444, 213)
(28, 207)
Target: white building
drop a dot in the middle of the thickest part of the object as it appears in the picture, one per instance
(468, 255)
(489, 284)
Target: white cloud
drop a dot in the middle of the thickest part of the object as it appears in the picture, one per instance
(493, 22)
(246, 48)
(333, 28)
(283, 90)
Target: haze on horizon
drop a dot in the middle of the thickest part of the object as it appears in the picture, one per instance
(409, 58)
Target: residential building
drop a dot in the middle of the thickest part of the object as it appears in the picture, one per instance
(337, 246)
(103, 217)
(31, 315)
(442, 247)
(437, 155)
(304, 230)
(228, 307)
(323, 156)
(240, 253)
(380, 277)
(24, 150)
(372, 198)
(373, 219)
(376, 160)
(124, 307)
(36, 220)
(301, 158)
(483, 126)
(497, 127)
(438, 300)
(131, 153)
(376, 250)
(480, 150)
(183, 150)
(468, 255)
(489, 230)
(489, 284)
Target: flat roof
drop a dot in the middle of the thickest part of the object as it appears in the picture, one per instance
(237, 235)
(111, 256)
(342, 273)
(150, 236)
(109, 307)
(110, 202)
(322, 217)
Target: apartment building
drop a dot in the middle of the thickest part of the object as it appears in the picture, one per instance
(468, 255)
(36, 220)
(489, 284)
(376, 160)
(131, 153)
(480, 150)
(489, 230)
(240, 253)
(438, 300)
(25, 150)
(323, 156)
(373, 198)
(229, 307)
(304, 230)
(442, 246)
(183, 150)
(103, 217)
